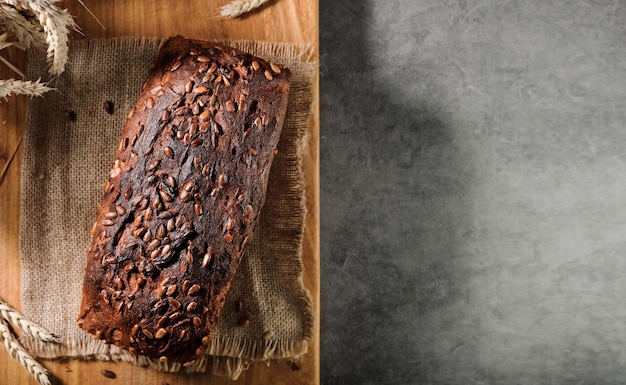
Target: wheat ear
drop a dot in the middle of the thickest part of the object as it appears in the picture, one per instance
(25, 29)
(27, 326)
(238, 7)
(56, 24)
(25, 87)
(19, 354)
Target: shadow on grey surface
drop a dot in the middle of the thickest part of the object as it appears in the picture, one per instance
(393, 194)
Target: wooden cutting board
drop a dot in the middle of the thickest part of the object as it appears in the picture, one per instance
(293, 21)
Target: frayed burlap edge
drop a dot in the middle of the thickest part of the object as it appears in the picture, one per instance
(225, 357)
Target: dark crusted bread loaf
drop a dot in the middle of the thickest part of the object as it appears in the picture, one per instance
(182, 199)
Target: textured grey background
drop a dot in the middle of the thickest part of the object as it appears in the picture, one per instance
(473, 192)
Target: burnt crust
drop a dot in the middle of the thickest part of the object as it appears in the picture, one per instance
(182, 199)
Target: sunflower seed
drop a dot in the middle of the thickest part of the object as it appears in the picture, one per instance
(160, 334)
(193, 289)
(171, 181)
(153, 245)
(161, 231)
(115, 172)
(166, 77)
(186, 139)
(189, 185)
(139, 232)
(268, 75)
(182, 111)
(171, 225)
(193, 129)
(206, 259)
(185, 196)
(156, 202)
(192, 306)
(167, 151)
(255, 65)
(205, 169)
(174, 304)
(275, 68)
(120, 210)
(222, 180)
(108, 374)
(155, 253)
(176, 65)
(189, 86)
(147, 333)
(197, 208)
(200, 90)
(197, 321)
(165, 196)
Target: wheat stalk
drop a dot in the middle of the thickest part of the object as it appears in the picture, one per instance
(238, 7)
(19, 354)
(5, 43)
(25, 87)
(27, 326)
(56, 25)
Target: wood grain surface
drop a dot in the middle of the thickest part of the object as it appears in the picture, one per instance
(294, 21)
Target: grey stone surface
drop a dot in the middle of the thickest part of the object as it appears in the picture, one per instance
(473, 192)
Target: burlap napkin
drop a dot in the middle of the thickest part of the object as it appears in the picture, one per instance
(69, 146)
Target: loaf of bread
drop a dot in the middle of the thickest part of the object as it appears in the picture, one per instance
(182, 199)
